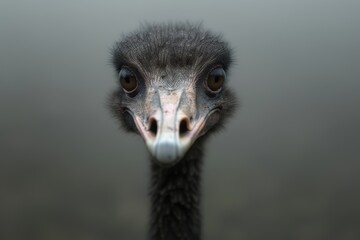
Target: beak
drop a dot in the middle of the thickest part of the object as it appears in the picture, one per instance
(171, 127)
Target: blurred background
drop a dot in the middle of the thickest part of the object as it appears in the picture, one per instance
(286, 166)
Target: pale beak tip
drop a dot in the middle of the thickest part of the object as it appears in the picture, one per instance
(166, 152)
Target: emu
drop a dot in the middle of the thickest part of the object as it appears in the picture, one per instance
(172, 90)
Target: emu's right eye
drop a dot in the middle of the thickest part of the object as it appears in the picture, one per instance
(128, 80)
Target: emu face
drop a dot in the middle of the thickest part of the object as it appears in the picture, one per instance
(172, 86)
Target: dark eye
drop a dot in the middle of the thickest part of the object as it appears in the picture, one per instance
(215, 80)
(128, 80)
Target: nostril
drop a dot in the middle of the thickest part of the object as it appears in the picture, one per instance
(153, 126)
(184, 127)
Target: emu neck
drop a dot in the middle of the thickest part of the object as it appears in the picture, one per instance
(175, 199)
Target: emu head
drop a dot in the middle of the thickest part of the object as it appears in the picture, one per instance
(172, 86)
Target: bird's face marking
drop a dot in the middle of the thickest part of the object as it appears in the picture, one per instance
(172, 109)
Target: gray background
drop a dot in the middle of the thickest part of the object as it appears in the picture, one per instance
(286, 167)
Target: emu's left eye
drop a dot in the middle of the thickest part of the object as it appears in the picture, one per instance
(128, 80)
(215, 80)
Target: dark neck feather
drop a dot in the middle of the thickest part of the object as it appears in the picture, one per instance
(175, 199)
